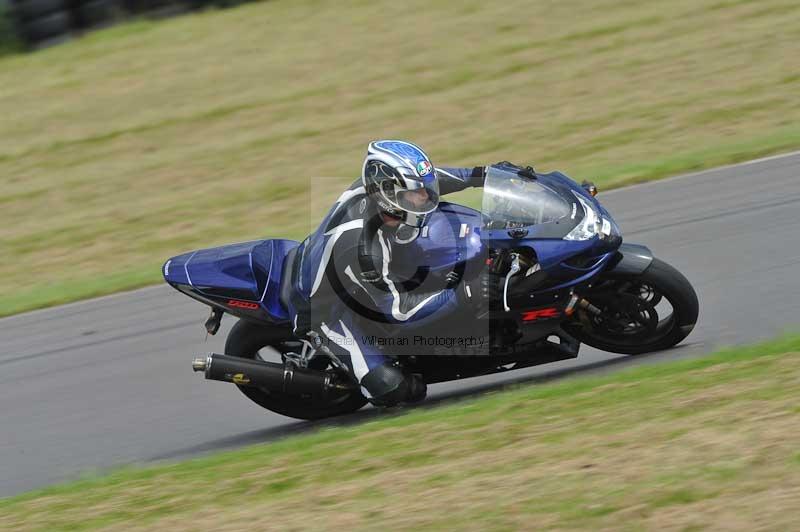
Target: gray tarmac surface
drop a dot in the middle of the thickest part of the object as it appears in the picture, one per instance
(107, 382)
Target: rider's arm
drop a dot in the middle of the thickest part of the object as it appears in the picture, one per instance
(391, 296)
(399, 305)
(457, 179)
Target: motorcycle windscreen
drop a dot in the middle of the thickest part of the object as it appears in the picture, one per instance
(513, 201)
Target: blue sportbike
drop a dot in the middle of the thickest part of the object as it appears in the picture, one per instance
(543, 268)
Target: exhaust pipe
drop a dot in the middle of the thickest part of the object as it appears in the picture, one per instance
(277, 377)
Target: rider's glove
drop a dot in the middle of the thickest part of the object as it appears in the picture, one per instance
(478, 176)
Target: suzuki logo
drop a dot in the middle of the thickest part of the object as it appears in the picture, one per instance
(546, 313)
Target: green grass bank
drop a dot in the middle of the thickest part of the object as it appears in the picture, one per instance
(690, 445)
(142, 141)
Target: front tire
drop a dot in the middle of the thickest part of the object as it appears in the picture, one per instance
(630, 323)
(247, 339)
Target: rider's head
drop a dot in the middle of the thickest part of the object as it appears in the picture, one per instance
(400, 178)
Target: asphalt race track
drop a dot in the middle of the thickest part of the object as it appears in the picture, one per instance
(108, 382)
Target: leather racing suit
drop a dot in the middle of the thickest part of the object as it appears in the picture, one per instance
(349, 290)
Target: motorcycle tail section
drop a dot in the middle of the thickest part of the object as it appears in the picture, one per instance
(240, 279)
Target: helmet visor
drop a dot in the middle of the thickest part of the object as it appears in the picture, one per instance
(421, 200)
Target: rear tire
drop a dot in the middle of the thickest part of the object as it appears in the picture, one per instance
(665, 281)
(246, 339)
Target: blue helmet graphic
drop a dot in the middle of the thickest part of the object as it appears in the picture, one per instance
(400, 177)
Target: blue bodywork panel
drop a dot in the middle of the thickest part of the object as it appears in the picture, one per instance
(451, 235)
(244, 278)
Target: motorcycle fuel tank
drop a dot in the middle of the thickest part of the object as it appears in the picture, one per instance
(450, 236)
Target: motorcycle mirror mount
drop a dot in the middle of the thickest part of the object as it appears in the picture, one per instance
(528, 172)
(589, 187)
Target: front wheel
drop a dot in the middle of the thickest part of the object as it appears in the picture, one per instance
(261, 342)
(640, 313)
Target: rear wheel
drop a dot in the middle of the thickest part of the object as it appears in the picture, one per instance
(639, 313)
(261, 342)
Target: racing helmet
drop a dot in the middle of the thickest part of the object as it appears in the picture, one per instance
(401, 179)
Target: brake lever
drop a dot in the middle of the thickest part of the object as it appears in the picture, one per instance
(515, 268)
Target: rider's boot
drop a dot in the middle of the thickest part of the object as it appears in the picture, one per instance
(389, 385)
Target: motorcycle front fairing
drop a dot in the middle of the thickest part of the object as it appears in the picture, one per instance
(520, 212)
(540, 212)
(613, 256)
(561, 238)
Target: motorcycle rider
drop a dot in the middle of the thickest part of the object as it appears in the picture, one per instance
(348, 286)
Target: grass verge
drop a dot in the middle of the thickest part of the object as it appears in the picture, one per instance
(705, 443)
(145, 140)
